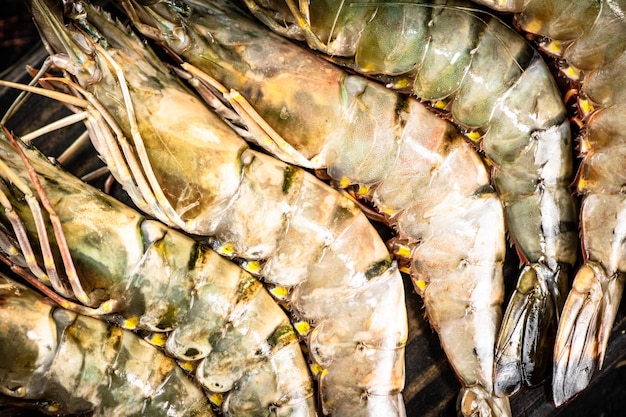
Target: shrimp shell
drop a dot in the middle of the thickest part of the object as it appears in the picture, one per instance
(82, 364)
(590, 39)
(415, 167)
(489, 81)
(315, 249)
(215, 313)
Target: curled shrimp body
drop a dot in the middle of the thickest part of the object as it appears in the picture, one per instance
(590, 38)
(79, 364)
(314, 248)
(490, 81)
(416, 168)
(213, 312)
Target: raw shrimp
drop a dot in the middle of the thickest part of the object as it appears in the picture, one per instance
(216, 313)
(314, 248)
(416, 168)
(491, 82)
(79, 364)
(590, 38)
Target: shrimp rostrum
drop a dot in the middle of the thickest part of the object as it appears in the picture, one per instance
(589, 37)
(489, 81)
(420, 174)
(75, 364)
(141, 275)
(315, 249)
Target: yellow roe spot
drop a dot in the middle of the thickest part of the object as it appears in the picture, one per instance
(474, 136)
(216, 399)
(572, 72)
(403, 83)
(344, 183)
(364, 190)
(53, 408)
(157, 339)
(421, 285)
(554, 47)
(279, 292)
(439, 104)
(403, 251)
(226, 249)
(131, 323)
(254, 267)
(582, 184)
(533, 26)
(188, 366)
(585, 106)
(318, 370)
(405, 270)
(302, 327)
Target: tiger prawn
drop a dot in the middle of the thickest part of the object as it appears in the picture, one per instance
(204, 310)
(79, 364)
(421, 175)
(316, 251)
(589, 39)
(489, 81)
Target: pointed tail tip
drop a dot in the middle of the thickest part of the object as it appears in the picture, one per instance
(565, 390)
(507, 379)
(584, 329)
(523, 354)
(571, 377)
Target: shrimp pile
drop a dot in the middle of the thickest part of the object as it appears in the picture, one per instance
(590, 38)
(242, 346)
(316, 251)
(415, 168)
(80, 364)
(488, 80)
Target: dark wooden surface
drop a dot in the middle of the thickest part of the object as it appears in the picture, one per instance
(431, 387)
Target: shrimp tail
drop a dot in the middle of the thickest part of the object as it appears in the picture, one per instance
(475, 401)
(583, 334)
(529, 328)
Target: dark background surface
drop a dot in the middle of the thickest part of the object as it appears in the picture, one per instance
(431, 387)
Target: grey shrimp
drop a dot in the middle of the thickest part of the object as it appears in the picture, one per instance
(315, 250)
(79, 364)
(422, 176)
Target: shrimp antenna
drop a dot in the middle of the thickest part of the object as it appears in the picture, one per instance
(35, 273)
(146, 166)
(107, 136)
(259, 130)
